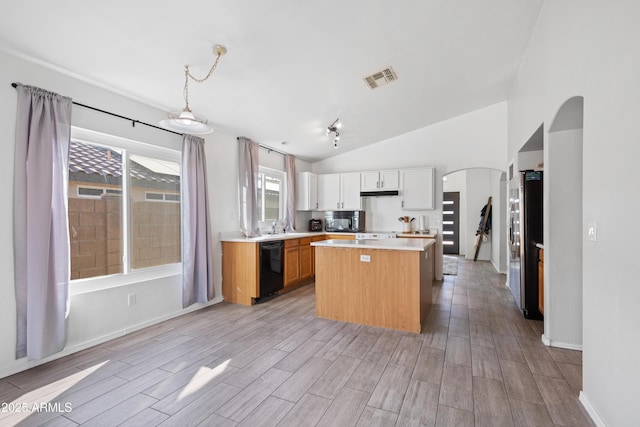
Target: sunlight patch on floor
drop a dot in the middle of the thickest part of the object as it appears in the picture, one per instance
(202, 378)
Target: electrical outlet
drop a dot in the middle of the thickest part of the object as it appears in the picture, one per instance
(131, 300)
(592, 231)
(365, 258)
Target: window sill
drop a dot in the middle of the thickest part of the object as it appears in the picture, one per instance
(95, 284)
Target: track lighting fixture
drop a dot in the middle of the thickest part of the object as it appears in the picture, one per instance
(186, 121)
(333, 129)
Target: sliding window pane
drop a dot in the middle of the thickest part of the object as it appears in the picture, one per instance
(154, 212)
(95, 206)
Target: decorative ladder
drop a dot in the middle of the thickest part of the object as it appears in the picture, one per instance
(484, 223)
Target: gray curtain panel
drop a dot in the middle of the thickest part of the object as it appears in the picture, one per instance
(197, 247)
(41, 227)
(290, 211)
(248, 152)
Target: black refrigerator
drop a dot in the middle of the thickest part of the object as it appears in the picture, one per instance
(525, 231)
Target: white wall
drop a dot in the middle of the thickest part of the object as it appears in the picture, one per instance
(563, 239)
(589, 49)
(475, 139)
(529, 160)
(101, 315)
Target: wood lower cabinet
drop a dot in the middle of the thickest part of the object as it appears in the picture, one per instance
(241, 267)
(338, 237)
(240, 272)
(541, 281)
(305, 258)
(291, 262)
(298, 261)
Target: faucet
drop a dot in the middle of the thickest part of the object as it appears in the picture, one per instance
(273, 227)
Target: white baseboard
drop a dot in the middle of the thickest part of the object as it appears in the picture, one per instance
(591, 410)
(24, 364)
(550, 343)
(496, 268)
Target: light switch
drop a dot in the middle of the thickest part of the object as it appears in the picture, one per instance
(592, 231)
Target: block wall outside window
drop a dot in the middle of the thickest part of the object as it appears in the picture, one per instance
(95, 234)
(155, 234)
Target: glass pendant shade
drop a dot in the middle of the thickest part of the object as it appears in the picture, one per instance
(186, 122)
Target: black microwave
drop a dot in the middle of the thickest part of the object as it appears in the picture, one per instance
(344, 221)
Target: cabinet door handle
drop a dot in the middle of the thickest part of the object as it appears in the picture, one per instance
(402, 204)
(381, 184)
(338, 205)
(342, 205)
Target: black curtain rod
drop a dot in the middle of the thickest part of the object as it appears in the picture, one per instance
(266, 147)
(133, 121)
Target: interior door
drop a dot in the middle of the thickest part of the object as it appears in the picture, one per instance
(451, 223)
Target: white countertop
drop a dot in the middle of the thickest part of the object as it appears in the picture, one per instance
(388, 244)
(236, 236)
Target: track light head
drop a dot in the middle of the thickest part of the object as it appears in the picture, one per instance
(333, 129)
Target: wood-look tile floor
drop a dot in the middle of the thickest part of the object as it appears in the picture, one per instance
(477, 362)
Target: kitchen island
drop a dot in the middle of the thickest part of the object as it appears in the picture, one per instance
(385, 283)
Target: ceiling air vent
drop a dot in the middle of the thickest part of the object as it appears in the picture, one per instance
(381, 78)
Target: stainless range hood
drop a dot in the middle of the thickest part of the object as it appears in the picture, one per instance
(377, 193)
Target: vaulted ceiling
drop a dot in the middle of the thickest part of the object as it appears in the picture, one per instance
(292, 67)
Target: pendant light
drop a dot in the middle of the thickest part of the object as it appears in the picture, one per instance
(186, 121)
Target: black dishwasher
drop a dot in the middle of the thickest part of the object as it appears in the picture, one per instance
(271, 268)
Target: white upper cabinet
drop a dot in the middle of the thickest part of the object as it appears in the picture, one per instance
(389, 180)
(350, 191)
(369, 181)
(338, 191)
(418, 189)
(329, 191)
(379, 180)
(306, 191)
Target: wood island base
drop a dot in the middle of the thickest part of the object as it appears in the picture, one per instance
(376, 287)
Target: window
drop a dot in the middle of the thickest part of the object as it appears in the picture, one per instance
(96, 192)
(160, 197)
(271, 195)
(116, 225)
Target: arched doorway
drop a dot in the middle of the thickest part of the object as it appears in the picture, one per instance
(473, 187)
(563, 227)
